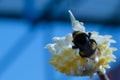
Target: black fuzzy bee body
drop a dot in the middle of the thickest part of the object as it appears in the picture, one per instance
(83, 42)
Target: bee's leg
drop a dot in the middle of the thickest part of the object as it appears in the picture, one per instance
(74, 47)
(89, 35)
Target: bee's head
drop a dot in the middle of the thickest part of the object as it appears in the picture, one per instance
(75, 33)
(80, 37)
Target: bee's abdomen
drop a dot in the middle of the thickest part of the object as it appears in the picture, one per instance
(88, 50)
(87, 53)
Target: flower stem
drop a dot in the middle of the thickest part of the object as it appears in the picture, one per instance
(102, 76)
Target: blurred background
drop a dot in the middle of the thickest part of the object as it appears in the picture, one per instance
(26, 26)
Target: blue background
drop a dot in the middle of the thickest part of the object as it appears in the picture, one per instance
(26, 26)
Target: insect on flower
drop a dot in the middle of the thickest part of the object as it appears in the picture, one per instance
(95, 52)
(82, 41)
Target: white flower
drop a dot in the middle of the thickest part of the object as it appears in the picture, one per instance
(76, 25)
(68, 61)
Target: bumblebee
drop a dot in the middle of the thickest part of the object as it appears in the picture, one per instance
(82, 41)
